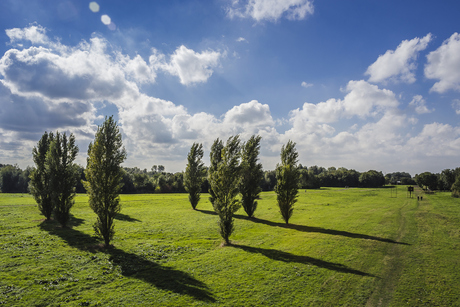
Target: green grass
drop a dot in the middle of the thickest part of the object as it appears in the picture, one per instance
(353, 247)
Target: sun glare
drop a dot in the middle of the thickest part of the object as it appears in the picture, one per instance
(94, 7)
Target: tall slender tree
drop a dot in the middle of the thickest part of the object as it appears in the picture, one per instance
(215, 157)
(224, 184)
(63, 175)
(287, 180)
(104, 176)
(251, 175)
(40, 176)
(195, 173)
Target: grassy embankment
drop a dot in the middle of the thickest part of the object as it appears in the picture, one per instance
(355, 247)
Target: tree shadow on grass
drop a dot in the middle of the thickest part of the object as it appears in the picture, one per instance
(319, 230)
(133, 265)
(287, 257)
(206, 211)
(125, 217)
(160, 276)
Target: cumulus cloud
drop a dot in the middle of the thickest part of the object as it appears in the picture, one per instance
(191, 67)
(398, 65)
(36, 34)
(420, 105)
(437, 139)
(306, 85)
(271, 10)
(444, 65)
(456, 106)
(362, 100)
(50, 86)
(138, 69)
(85, 72)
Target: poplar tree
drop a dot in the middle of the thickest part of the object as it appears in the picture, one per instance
(224, 185)
(251, 175)
(215, 156)
(40, 176)
(194, 174)
(287, 176)
(103, 177)
(63, 175)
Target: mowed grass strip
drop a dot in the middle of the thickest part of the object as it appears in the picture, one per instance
(350, 247)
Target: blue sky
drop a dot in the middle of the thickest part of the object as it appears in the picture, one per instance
(356, 84)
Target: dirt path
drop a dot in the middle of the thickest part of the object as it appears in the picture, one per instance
(383, 293)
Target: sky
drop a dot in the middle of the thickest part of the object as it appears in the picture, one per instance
(357, 84)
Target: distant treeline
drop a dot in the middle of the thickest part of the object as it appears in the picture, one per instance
(156, 180)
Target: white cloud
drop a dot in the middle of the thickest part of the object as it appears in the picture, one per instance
(191, 67)
(271, 10)
(138, 69)
(456, 106)
(241, 39)
(398, 65)
(52, 86)
(306, 85)
(85, 72)
(36, 34)
(444, 65)
(437, 140)
(420, 105)
(364, 99)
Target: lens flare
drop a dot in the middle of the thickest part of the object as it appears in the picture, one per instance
(106, 19)
(94, 7)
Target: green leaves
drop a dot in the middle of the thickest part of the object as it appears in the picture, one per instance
(251, 174)
(63, 175)
(287, 175)
(55, 175)
(224, 178)
(103, 177)
(195, 173)
(40, 177)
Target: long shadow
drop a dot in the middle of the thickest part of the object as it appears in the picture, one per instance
(125, 217)
(133, 265)
(319, 230)
(287, 257)
(206, 211)
(75, 221)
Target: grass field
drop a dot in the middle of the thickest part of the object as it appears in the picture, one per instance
(353, 247)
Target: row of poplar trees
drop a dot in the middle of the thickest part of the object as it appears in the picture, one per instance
(235, 170)
(55, 175)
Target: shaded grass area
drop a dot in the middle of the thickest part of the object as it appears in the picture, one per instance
(349, 247)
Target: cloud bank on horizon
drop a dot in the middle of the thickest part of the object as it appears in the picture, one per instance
(48, 84)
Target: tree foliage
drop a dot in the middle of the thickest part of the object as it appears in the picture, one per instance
(103, 177)
(371, 179)
(287, 175)
(427, 180)
(251, 175)
(13, 179)
(215, 158)
(40, 185)
(195, 173)
(456, 188)
(62, 174)
(224, 184)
